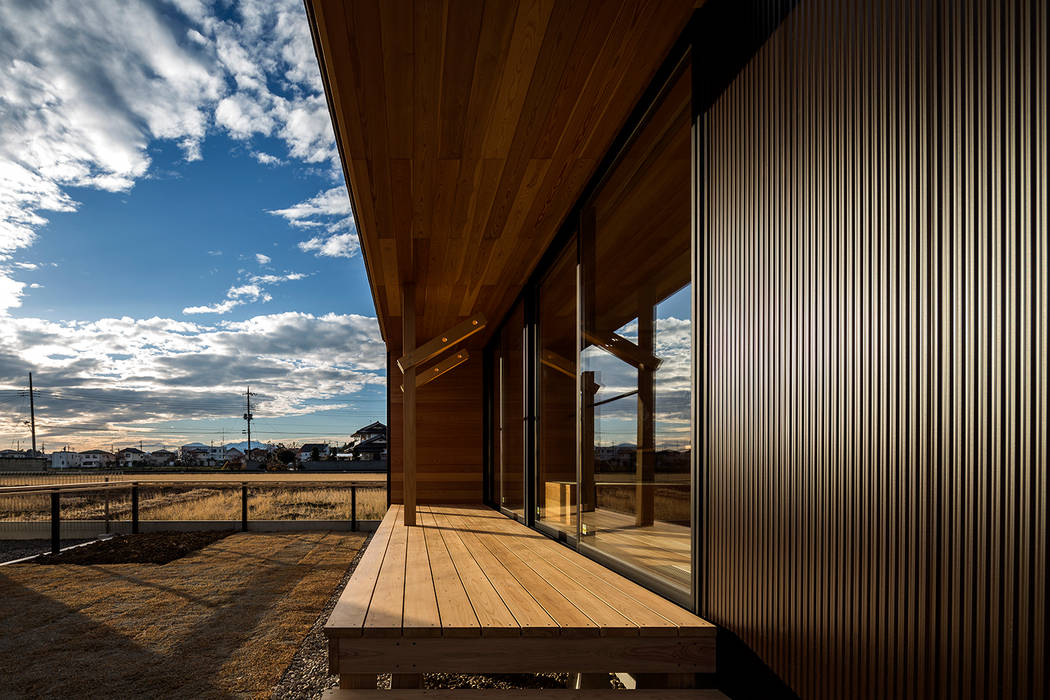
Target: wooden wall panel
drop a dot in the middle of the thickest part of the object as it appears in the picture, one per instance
(448, 435)
(875, 486)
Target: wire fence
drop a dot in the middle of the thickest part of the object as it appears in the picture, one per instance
(74, 509)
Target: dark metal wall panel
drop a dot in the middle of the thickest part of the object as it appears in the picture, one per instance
(875, 260)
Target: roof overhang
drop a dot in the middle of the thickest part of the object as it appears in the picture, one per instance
(467, 131)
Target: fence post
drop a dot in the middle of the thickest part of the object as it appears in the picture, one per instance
(107, 506)
(353, 508)
(244, 507)
(56, 522)
(134, 508)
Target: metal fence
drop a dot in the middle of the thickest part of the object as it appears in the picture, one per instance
(87, 508)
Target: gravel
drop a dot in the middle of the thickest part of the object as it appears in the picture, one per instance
(307, 675)
(18, 549)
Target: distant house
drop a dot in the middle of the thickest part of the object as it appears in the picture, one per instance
(96, 459)
(372, 449)
(161, 458)
(66, 459)
(130, 456)
(197, 454)
(368, 432)
(306, 451)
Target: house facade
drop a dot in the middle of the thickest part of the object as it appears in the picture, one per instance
(306, 452)
(97, 459)
(160, 458)
(66, 459)
(130, 457)
(368, 432)
(743, 300)
(201, 455)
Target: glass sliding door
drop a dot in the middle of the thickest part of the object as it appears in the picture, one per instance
(509, 408)
(635, 423)
(556, 487)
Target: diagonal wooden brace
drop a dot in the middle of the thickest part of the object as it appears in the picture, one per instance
(435, 346)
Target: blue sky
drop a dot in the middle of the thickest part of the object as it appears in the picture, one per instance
(173, 226)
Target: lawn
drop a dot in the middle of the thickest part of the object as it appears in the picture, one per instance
(225, 620)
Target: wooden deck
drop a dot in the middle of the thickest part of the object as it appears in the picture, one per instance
(471, 591)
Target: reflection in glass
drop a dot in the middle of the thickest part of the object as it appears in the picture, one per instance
(635, 362)
(510, 412)
(556, 451)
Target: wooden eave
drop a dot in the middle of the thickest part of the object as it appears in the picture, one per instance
(467, 130)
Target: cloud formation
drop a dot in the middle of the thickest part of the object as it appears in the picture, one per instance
(329, 211)
(254, 289)
(105, 377)
(81, 104)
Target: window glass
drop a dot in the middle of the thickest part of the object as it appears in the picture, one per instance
(510, 408)
(635, 420)
(556, 486)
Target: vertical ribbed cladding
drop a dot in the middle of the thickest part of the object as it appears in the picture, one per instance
(876, 188)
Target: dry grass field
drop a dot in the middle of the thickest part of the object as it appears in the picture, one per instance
(203, 496)
(222, 622)
(205, 503)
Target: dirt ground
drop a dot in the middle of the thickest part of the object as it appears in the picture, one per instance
(146, 548)
(222, 621)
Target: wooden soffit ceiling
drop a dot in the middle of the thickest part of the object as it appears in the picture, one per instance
(469, 128)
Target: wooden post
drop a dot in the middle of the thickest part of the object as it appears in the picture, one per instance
(56, 523)
(645, 466)
(244, 507)
(353, 508)
(408, 423)
(134, 509)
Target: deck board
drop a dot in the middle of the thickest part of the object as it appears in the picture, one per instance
(469, 571)
(457, 613)
(351, 609)
(570, 619)
(531, 617)
(386, 611)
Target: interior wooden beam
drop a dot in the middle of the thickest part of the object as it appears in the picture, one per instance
(558, 363)
(436, 345)
(622, 349)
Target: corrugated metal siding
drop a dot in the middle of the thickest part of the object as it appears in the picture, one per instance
(876, 488)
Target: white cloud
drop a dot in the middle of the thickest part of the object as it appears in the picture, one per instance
(262, 259)
(105, 377)
(221, 307)
(340, 245)
(36, 286)
(10, 293)
(253, 289)
(82, 103)
(329, 203)
(330, 210)
(266, 158)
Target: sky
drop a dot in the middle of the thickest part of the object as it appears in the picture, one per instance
(174, 226)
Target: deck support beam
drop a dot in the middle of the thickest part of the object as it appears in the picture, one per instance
(358, 681)
(408, 423)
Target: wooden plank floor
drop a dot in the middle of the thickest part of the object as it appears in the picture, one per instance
(468, 572)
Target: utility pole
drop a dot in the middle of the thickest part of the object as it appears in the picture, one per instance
(32, 411)
(248, 418)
